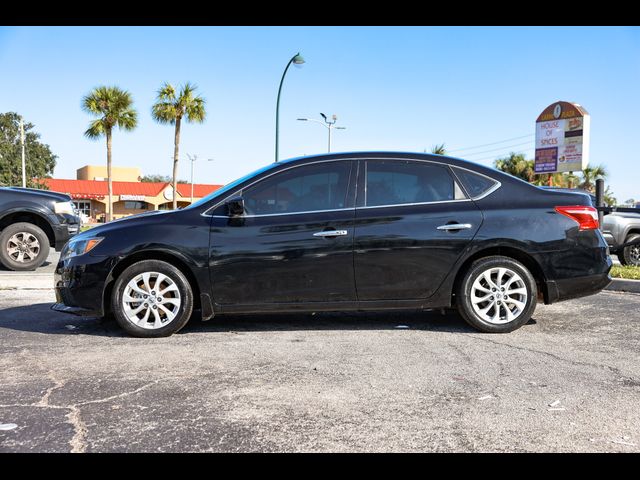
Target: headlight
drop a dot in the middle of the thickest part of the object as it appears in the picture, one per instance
(63, 207)
(80, 246)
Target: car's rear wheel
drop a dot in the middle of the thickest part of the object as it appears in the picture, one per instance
(23, 246)
(630, 255)
(152, 298)
(497, 295)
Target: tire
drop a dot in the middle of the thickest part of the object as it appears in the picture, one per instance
(488, 316)
(175, 298)
(630, 255)
(23, 246)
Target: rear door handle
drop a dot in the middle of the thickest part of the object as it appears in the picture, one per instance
(331, 233)
(454, 226)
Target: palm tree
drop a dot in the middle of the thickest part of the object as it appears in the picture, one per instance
(172, 108)
(589, 176)
(516, 165)
(438, 150)
(114, 107)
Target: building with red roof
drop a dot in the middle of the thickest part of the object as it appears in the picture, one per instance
(90, 192)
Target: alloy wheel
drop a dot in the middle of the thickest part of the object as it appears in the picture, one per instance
(634, 254)
(499, 295)
(151, 300)
(23, 247)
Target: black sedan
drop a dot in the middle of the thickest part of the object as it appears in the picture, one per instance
(351, 231)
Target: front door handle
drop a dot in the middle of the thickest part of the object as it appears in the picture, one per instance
(331, 233)
(454, 226)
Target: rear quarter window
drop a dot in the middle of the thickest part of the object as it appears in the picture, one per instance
(475, 184)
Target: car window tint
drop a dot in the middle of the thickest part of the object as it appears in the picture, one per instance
(475, 184)
(307, 188)
(394, 182)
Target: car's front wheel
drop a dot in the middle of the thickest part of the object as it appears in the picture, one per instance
(152, 298)
(497, 295)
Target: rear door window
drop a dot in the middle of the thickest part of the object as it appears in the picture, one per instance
(400, 182)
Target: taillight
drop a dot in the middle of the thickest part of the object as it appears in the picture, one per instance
(587, 217)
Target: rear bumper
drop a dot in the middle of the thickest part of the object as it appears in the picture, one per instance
(559, 290)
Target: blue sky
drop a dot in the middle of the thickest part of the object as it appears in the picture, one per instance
(393, 88)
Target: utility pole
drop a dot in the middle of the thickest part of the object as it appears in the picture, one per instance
(24, 173)
(330, 125)
(193, 158)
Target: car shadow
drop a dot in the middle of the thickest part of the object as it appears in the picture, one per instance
(39, 318)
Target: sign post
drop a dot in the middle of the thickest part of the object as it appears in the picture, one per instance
(562, 139)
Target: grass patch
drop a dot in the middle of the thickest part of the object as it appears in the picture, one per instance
(625, 271)
(84, 228)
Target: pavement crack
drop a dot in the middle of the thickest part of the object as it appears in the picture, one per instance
(120, 395)
(78, 442)
(557, 357)
(44, 401)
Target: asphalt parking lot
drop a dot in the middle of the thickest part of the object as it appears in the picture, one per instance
(569, 381)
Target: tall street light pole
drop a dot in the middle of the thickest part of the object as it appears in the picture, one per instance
(296, 60)
(330, 125)
(193, 158)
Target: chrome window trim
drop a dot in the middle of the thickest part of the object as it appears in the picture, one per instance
(412, 204)
(497, 185)
(287, 213)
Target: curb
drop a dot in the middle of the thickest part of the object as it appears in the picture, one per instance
(622, 285)
(26, 281)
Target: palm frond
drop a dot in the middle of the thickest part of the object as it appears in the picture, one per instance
(164, 112)
(96, 129)
(113, 105)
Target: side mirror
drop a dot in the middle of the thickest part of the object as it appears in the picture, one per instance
(235, 207)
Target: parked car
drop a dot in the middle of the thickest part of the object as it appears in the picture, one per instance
(622, 233)
(32, 221)
(353, 231)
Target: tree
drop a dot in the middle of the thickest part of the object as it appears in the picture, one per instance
(517, 165)
(39, 160)
(589, 176)
(114, 107)
(438, 149)
(608, 197)
(171, 108)
(156, 177)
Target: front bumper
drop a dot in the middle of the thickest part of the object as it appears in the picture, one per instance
(79, 284)
(63, 232)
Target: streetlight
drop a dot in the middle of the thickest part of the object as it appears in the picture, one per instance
(330, 125)
(193, 159)
(296, 60)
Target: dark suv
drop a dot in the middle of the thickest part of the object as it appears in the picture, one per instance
(351, 231)
(31, 221)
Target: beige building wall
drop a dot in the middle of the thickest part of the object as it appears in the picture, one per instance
(118, 174)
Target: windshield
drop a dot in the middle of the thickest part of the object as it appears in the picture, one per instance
(230, 186)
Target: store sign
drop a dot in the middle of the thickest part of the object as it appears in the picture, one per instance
(562, 138)
(135, 198)
(168, 193)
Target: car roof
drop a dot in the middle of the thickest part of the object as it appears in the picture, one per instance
(394, 155)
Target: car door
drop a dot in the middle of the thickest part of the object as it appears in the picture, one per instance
(292, 245)
(412, 223)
